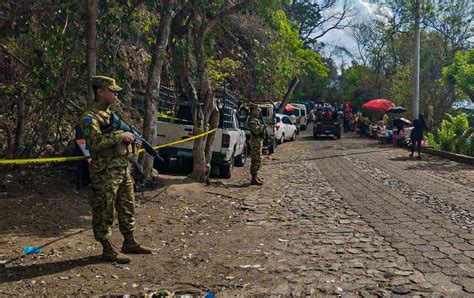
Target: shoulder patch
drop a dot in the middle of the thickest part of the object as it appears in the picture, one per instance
(88, 120)
(86, 131)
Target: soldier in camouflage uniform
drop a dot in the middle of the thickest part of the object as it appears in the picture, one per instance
(257, 130)
(111, 183)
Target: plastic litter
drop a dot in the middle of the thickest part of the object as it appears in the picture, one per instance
(210, 295)
(32, 250)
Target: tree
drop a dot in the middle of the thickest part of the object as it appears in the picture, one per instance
(454, 21)
(190, 36)
(316, 18)
(154, 79)
(461, 73)
(91, 52)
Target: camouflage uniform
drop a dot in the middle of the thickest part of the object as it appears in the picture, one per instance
(257, 129)
(111, 182)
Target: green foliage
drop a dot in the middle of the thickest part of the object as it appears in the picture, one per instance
(461, 73)
(454, 135)
(221, 69)
(358, 84)
(430, 138)
(285, 58)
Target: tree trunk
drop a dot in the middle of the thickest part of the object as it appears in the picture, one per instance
(20, 126)
(416, 64)
(288, 94)
(154, 81)
(91, 52)
(213, 123)
(202, 160)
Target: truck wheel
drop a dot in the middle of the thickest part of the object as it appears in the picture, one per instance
(338, 136)
(282, 139)
(315, 136)
(294, 136)
(226, 170)
(161, 165)
(186, 164)
(240, 160)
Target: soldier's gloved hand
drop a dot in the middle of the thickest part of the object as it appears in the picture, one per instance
(127, 137)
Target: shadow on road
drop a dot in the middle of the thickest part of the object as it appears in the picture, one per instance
(236, 185)
(32, 271)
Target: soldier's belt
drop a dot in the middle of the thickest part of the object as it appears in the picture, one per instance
(26, 161)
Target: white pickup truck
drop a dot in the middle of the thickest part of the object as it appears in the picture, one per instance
(228, 149)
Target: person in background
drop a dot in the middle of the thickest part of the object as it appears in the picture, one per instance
(327, 116)
(257, 131)
(416, 134)
(385, 118)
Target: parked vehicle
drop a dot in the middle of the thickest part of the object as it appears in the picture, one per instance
(327, 123)
(175, 123)
(303, 115)
(268, 117)
(285, 128)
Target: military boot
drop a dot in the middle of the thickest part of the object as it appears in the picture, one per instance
(111, 254)
(130, 246)
(255, 181)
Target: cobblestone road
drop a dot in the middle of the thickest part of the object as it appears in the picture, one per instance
(364, 219)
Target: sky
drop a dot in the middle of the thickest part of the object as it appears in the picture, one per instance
(362, 10)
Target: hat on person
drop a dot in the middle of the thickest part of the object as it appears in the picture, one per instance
(255, 107)
(105, 82)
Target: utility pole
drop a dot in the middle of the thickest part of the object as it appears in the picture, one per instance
(416, 66)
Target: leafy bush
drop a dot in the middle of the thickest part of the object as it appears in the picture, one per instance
(454, 135)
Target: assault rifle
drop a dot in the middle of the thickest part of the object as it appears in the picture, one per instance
(118, 123)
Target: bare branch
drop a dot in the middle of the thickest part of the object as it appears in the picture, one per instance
(226, 11)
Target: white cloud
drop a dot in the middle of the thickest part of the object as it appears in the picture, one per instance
(362, 10)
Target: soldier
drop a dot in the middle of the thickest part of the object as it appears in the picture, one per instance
(111, 185)
(257, 131)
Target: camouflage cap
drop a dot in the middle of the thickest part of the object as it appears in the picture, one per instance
(255, 107)
(105, 82)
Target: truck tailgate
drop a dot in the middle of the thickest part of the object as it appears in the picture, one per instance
(170, 132)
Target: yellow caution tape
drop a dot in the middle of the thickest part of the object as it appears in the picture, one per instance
(182, 141)
(25, 161)
(165, 116)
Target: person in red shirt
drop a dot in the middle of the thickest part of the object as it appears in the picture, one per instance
(327, 116)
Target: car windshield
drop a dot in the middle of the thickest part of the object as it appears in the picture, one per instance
(295, 112)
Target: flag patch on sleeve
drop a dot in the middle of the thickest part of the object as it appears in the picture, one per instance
(88, 120)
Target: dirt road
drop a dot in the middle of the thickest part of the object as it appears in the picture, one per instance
(335, 217)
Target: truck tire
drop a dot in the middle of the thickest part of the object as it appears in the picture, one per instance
(293, 138)
(242, 158)
(282, 139)
(226, 170)
(161, 165)
(338, 136)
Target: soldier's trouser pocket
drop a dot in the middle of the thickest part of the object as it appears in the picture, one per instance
(125, 203)
(103, 193)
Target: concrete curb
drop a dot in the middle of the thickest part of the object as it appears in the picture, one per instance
(448, 155)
